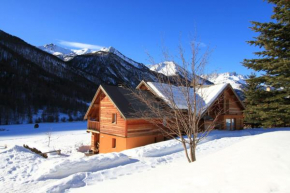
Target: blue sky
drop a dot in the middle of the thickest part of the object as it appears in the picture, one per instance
(137, 27)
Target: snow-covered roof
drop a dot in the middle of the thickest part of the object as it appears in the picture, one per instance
(206, 95)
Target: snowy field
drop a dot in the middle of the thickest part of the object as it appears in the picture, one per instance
(256, 160)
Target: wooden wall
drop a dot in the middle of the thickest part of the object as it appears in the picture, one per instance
(95, 137)
(139, 127)
(106, 143)
(235, 110)
(107, 108)
(125, 143)
(234, 106)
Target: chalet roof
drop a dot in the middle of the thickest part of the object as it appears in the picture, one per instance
(206, 95)
(130, 106)
(125, 101)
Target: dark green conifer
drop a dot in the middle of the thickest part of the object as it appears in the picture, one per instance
(273, 65)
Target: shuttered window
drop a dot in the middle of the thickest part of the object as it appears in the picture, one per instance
(114, 118)
(113, 143)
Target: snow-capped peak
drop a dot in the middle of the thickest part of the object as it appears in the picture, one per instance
(82, 51)
(168, 68)
(116, 52)
(109, 49)
(236, 80)
(64, 53)
(52, 48)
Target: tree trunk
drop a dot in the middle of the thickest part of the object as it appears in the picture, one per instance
(185, 151)
(192, 152)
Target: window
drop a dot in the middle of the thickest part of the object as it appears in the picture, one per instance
(114, 143)
(114, 118)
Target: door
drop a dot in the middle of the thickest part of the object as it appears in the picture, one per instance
(230, 124)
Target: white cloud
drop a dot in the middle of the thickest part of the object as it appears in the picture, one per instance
(80, 45)
(200, 44)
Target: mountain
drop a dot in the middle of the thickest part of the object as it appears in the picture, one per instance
(167, 68)
(35, 83)
(38, 85)
(110, 66)
(170, 68)
(64, 53)
(237, 81)
(128, 60)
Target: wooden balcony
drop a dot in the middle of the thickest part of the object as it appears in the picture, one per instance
(93, 126)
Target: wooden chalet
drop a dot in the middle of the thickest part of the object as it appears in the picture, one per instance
(114, 123)
(223, 95)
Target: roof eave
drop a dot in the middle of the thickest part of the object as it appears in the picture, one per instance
(94, 98)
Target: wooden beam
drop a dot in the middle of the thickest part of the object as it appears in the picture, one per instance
(96, 105)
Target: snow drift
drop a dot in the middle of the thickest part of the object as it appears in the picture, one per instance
(54, 170)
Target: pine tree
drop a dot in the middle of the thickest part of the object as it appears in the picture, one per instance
(273, 63)
(252, 92)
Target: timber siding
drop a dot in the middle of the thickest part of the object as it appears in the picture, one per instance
(234, 107)
(107, 108)
(140, 127)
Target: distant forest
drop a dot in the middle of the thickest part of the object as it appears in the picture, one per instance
(27, 89)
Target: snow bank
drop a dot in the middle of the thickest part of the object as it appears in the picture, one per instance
(155, 150)
(63, 168)
(173, 146)
(257, 164)
(17, 164)
(72, 181)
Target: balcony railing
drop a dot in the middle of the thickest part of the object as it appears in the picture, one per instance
(93, 125)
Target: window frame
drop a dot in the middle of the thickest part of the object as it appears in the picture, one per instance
(114, 143)
(114, 118)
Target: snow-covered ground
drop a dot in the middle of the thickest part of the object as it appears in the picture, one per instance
(256, 160)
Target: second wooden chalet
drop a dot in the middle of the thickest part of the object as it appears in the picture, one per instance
(115, 124)
(231, 116)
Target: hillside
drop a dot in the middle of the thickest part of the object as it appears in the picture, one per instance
(37, 86)
(109, 67)
(33, 81)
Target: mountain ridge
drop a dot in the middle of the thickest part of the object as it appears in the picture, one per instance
(46, 83)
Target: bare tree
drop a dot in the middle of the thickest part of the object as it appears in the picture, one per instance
(178, 106)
